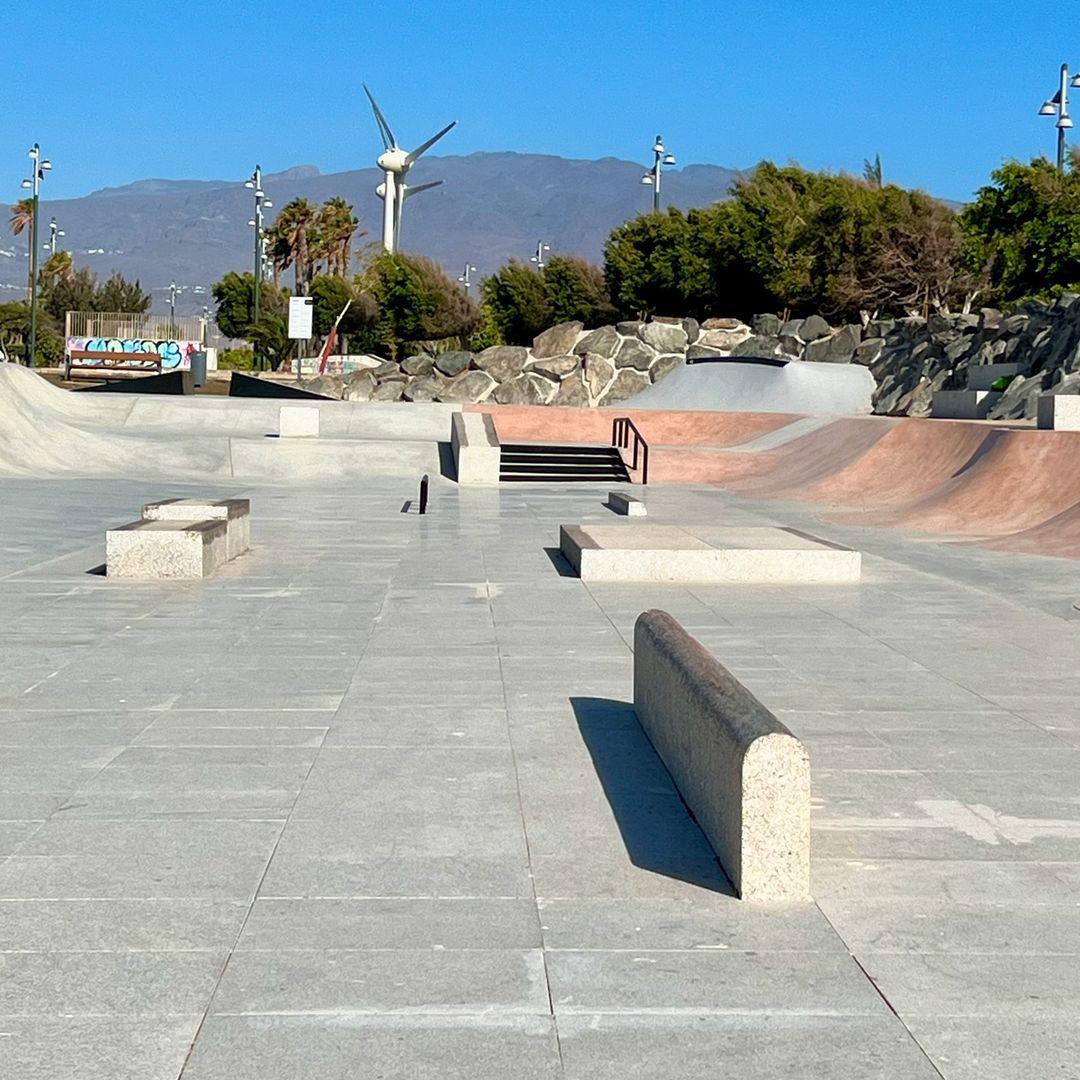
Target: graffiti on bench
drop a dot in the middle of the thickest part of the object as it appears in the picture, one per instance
(175, 354)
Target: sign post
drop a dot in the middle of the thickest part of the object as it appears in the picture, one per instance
(301, 312)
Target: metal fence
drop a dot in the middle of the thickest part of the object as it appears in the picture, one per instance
(116, 324)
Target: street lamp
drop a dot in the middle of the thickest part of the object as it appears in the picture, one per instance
(54, 232)
(652, 177)
(538, 258)
(254, 183)
(1058, 106)
(173, 290)
(466, 276)
(41, 166)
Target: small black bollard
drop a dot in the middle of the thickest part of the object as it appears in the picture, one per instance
(423, 493)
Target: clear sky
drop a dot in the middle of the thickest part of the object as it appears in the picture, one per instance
(118, 90)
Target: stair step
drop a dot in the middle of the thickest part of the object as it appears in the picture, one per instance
(539, 449)
(570, 459)
(562, 463)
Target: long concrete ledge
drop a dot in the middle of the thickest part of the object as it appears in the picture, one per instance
(235, 512)
(743, 775)
(629, 505)
(166, 549)
(476, 448)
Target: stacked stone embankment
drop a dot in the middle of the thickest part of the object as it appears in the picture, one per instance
(910, 359)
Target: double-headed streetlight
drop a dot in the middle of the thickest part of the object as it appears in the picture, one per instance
(41, 165)
(254, 183)
(652, 178)
(466, 276)
(538, 258)
(54, 232)
(173, 290)
(1058, 106)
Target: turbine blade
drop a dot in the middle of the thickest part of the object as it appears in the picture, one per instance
(424, 147)
(384, 127)
(420, 187)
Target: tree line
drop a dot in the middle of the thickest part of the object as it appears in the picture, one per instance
(787, 240)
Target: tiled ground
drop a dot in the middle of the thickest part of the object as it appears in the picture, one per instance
(372, 803)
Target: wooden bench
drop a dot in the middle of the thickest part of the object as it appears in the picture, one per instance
(111, 361)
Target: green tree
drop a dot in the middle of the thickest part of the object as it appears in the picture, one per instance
(645, 264)
(576, 289)
(1022, 231)
(293, 239)
(517, 304)
(119, 294)
(76, 292)
(14, 329)
(270, 338)
(22, 218)
(234, 295)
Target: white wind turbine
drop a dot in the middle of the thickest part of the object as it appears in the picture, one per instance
(395, 164)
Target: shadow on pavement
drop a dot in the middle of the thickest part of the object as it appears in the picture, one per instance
(658, 830)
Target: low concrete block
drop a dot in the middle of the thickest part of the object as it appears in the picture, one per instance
(166, 549)
(630, 505)
(476, 449)
(983, 376)
(235, 512)
(1059, 412)
(672, 553)
(298, 422)
(963, 404)
(744, 776)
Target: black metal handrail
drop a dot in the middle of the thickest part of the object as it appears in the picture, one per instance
(621, 428)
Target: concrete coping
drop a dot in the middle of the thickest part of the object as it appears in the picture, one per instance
(741, 773)
(176, 509)
(210, 527)
(623, 503)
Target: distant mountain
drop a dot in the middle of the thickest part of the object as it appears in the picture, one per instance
(492, 207)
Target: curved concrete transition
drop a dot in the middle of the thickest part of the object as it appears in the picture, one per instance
(48, 431)
(747, 385)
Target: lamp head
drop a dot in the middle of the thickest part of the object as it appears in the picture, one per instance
(46, 165)
(26, 184)
(249, 183)
(267, 204)
(647, 178)
(1064, 122)
(669, 159)
(1048, 108)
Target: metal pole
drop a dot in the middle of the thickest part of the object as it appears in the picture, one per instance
(34, 257)
(1063, 114)
(258, 239)
(656, 176)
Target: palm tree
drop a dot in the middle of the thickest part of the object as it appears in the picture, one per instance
(22, 218)
(337, 227)
(58, 267)
(294, 230)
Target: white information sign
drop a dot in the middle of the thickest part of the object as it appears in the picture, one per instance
(300, 312)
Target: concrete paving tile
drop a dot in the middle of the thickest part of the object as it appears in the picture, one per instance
(395, 923)
(762, 1046)
(999, 1048)
(702, 922)
(390, 1047)
(13, 833)
(118, 984)
(953, 984)
(709, 982)
(89, 925)
(96, 1048)
(441, 981)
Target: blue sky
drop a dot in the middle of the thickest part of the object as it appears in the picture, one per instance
(123, 91)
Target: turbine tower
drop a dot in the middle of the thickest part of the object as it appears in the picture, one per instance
(395, 164)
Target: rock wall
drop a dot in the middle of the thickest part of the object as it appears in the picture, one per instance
(910, 358)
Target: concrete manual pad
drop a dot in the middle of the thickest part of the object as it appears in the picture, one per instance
(674, 553)
(166, 549)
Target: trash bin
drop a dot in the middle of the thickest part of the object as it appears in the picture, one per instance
(198, 368)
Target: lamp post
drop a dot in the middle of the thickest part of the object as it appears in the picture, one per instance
(172, 305)
(54, 232)
(538, 258)
(254, 183)
(41, 165)
(652, 178)
(466, 276)
(1058, 106)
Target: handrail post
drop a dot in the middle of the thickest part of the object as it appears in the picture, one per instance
(423, 493)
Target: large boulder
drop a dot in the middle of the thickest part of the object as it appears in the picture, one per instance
(703, 352)
(330, 385)
(424, 388)
(502, 362)
(636, 354)
(420, 364)
(868, 351)
(598, 372)
(629, 327)
(664, 366)
(359, 386)
(813, 328)
(573, 391)
(468, 388)
(837, 349)
(555, 368)
(453, 363)
(391, 390)
(664, 337)
(558, 340)
(757, 345)
(626, 384)
(766, 325)
(723, 324)
(521, 390)
(726, 339)
(602, 342)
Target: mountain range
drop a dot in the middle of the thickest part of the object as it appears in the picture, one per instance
(492, 207)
